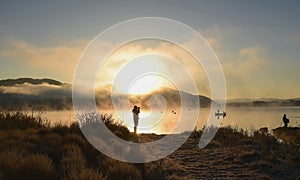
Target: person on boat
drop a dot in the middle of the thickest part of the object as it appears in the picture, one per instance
(285, 120)
(135, 112)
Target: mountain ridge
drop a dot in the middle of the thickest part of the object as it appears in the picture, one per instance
(12, 82)
(15, 94)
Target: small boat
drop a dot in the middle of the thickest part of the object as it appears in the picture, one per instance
(219, 114)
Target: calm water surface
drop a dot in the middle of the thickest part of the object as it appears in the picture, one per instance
(248, 118)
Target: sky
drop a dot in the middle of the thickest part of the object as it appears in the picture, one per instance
(257, 42)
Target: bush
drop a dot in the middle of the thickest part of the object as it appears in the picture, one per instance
(89, 174)
(19, 120)
(120, 170)
(36, 166)
(92, 122)
(9, 163)
(50, 144)
(289, 134)
(72, 162)
(15, 165)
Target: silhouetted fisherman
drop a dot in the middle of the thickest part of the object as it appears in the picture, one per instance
(135, 112)
(285, 120)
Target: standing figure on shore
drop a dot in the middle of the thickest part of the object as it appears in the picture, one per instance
(285, 120)
(135, 112)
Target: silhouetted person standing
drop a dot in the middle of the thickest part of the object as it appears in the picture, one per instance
(135, 112)
(285, 120)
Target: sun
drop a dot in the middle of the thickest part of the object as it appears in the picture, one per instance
(141, 75)
(145, 84)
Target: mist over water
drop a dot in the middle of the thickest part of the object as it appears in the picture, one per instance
(256, 117)
(248, 118)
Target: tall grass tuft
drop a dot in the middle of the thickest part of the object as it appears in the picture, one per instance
(72, 162)
(92, 122)
(15, 165)
(120, 170)
(20, 120)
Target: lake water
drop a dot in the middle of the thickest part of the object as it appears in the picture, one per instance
(248, 118)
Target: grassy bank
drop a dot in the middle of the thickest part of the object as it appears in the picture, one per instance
(288, 134)
(31, 149)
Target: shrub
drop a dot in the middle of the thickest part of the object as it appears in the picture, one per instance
(120, 170)
(36, 166)
(90, 174)
(15, 165)
(289, 135)
(72, 162)
(60, 129)
(76, 139)
(50, 144)
(19, 120)
(8, 163)
(92, 122)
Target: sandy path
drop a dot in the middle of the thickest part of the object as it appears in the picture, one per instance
(218, 161)
(210, 162)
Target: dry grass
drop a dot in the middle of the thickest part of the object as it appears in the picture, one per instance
(121, 170)
(289, 134)
(62, 152)
(72, 161)
(15, 165)
(19, 120)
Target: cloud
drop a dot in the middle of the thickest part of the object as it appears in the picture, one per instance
(247, 61)
(217, 36)
(37, 90)
(62, 59)
(237, 62)
(237, 59)
(185, 61)
(59, 59)
(238, 65)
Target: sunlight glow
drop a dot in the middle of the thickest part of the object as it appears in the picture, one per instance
(140, 76)
(145, 85)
